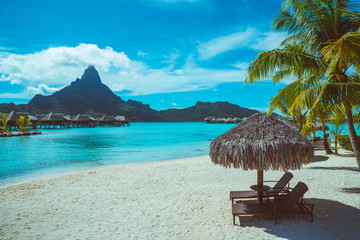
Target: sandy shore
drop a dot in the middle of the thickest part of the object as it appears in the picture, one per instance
(178, 199)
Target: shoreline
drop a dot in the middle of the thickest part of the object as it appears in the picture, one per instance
(57, 174)
(177, 199)
(19, 134)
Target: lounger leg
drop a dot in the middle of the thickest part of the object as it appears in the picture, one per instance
(233, 219)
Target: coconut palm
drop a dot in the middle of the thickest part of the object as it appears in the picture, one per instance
(283, 104)
(322, 111)
(4, 120)
(337, 120)
(23, 124)
(327, 56)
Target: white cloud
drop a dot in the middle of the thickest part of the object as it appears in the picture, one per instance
(60, 65)
(250, 38)
(46, 71)
(171, 59)
(15, 81)
(3, 78)
(268, 41)
(241, 65)
(15, 95)
(223, 44)
(42, 89)
(142, 54)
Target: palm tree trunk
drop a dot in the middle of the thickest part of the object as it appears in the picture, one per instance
(336, 145)
(355, 143)
(300, 120)
(326, 143)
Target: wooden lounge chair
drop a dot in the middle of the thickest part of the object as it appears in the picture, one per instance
(291, 203)
(281, 186)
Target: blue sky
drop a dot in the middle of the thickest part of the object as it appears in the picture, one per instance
(167, 53)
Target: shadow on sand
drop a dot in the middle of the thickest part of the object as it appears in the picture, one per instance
(347, 155)
(332, 220)
(351, 190)
(354, 169)
(319, 158)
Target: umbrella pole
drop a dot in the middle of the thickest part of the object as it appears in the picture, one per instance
(260, 182)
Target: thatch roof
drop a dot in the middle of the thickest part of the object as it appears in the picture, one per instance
(106, 118)
(289, 123)
(33, 118)
(83, 118)
(120, 118)
(55, 117)
(14, 116)
(209, 118)
(261, 143)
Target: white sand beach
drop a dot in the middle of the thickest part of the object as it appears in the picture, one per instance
(178, 199)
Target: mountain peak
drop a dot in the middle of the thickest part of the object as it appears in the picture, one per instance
(91, 75)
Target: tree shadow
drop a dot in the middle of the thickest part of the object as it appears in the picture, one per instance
(354, 169)
(347, 155)
(351, 190)
(332, 220)
(319, 158)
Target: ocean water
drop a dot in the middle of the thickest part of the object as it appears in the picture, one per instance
(61, 151)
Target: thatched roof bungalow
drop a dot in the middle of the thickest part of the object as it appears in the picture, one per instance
(54, 120)
(212, 119)
(208, 119)
(261, 142)
(107, 120)
(14, 116)
(289, 122)
(122, 120)
(81, 120)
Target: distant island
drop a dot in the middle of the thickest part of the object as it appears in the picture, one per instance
(88, 95)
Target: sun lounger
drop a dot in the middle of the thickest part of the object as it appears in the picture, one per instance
(291, 203)
(281, 186)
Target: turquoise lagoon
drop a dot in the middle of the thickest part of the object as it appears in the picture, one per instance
(62, 151)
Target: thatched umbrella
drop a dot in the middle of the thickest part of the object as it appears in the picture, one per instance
(289, 123)
(261, 142)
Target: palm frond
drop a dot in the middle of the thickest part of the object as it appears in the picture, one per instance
(343, 52)
(296, 63)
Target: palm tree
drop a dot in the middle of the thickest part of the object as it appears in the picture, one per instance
(337, 120)
(323, 30)
(322, 111)
(24, 124)
(4, 120)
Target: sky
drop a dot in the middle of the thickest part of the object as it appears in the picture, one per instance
(166, 53)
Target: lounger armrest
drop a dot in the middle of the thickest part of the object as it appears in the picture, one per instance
(307, 204)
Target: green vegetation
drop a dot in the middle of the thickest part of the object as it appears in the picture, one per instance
(322, 53)
(338, 120)
(3, 121)
(23, 124)
(345, 143)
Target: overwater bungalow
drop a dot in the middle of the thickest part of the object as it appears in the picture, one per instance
(60, 120)
(14, 116)
(83, 121)
(55, 120)
(122, 120)
(208, 119)
(34, 121)
(212, 119)
(108, 120)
